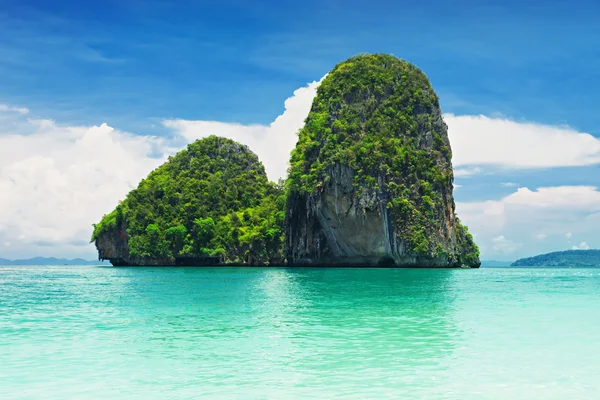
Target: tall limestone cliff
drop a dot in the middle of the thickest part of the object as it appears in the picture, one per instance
(210, 204)
(371, 177)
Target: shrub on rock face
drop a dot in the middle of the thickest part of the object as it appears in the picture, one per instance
(209, 204)
(370, 179)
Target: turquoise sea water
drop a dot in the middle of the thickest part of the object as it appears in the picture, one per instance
(187, 333)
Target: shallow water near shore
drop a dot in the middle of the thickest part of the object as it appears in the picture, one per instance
(183, 333)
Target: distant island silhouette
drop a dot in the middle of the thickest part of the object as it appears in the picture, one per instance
(568, 258)
(51, 261)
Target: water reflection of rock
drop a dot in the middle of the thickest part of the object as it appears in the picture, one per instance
(326, 326)
(297, 328)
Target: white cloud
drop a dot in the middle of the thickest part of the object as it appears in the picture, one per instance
(464, 172)
(524, 213)
(509, 184)
(585, 197)
(9, 109)
(502, 245)
(272, 143)
(582, 246)
(554, 202)
(481, 140)
(58, 180)
(476, 140)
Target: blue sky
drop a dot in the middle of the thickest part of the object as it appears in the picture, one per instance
(135, 61)
(135, 64)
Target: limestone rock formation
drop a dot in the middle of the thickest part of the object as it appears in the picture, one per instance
(210, 204)
(371, 176)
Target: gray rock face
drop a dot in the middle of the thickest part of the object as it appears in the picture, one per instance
(338, 228)
(113, 246)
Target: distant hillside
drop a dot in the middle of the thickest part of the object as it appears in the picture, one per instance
(569, 258)
(50, 261)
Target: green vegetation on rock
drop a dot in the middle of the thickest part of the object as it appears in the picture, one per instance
(356, 121)
(379, 116)
(370, 182)
(211, 201)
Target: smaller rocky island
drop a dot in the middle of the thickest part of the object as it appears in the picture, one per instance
(568, 258)
(209, 204)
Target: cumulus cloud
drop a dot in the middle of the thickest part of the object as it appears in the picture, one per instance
(502, 245)
(272, 143)
(9, 109)
(58, 180)
(481, 140)
(553, 202)
(582, 246)
(552, 210)
(464, 172)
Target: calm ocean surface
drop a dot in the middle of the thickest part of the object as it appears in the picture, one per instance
(186, 333)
